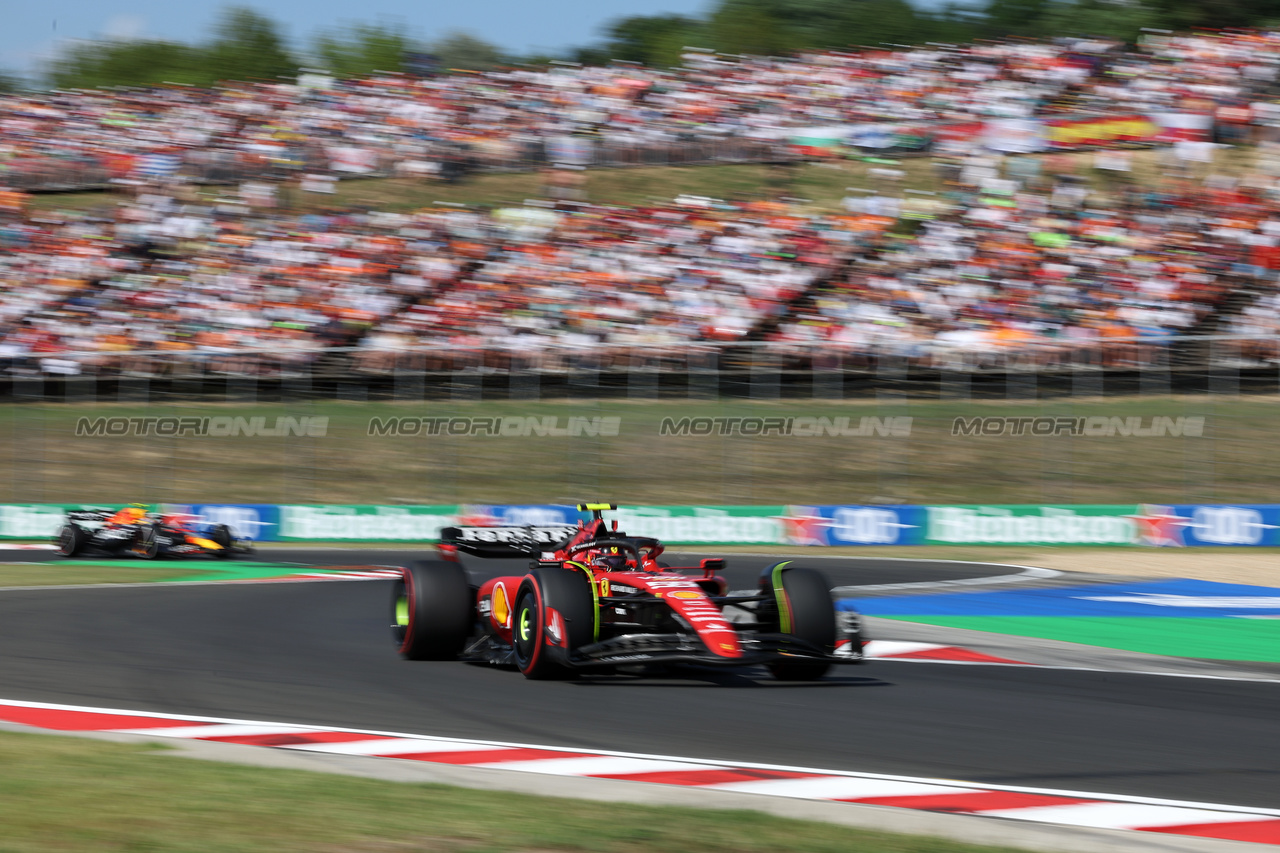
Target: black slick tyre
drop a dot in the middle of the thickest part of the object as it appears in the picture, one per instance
(146, 543)
(70, 540)
(555, 613)
(802, 607)
(432, 610)
(221, 535)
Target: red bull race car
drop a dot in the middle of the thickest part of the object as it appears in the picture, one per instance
(137, 531)
(596, 599)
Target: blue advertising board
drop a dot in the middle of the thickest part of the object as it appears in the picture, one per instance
(1224, 524)
(867, 525)
(259, 522)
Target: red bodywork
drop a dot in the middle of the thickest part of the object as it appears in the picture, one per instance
(687, 596)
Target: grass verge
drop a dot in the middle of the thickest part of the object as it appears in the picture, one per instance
(43, 460)
(68, 794)
(822, 186)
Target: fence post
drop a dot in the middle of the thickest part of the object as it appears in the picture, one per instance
(242, 386)
(80, 387)
(157, 475)
(954, 384)
(642, 380)
(305, 465)
(466, 382)
(1153, 375)
(348, 385)
(28, 445)
(1223, 369)
(525, 383)
(1086, 378)
(1019, 384)
(409, 383)
(583, 369)
(828, 375)
(766, 373)
(894, 452)
(703, 367)
(891, 375)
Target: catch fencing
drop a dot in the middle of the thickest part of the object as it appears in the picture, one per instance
(1124, 421)
(1219, 364)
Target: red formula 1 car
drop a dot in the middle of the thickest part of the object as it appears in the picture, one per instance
(595, 599)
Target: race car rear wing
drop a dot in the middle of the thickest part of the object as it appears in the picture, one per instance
(507, 541)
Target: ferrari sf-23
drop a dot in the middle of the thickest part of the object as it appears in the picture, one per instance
(597, 600)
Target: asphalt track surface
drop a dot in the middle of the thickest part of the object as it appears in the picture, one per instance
(320, 653)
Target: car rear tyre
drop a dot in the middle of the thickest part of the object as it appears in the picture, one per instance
(70, 540)
(555, 613)
(147, 542)
(803, 608)
(221, 535)
(432, 610)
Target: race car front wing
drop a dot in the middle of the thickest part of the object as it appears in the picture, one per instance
(687, 648)
(634, 649)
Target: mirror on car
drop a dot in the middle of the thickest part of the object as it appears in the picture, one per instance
(711, 565)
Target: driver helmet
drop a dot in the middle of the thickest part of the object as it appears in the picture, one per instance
(612, 561)
(131, 514)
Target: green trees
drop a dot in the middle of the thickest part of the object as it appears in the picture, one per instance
(759, 27)
(653, 39)
(246, 46)
(465, 51)
(780, 27)
(363, 49)
(1119, 19)
(127, 63)
(1214, 14)
(1123, 21)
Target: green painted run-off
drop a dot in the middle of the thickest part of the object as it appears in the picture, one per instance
(201, 570)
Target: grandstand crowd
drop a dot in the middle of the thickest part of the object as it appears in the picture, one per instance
(519, 115)
(1038, 267)
(1011, 259)
(163, 276)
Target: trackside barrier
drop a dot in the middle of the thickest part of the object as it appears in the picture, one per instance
(1150, 525)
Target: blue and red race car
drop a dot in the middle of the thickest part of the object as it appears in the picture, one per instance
(139, 531)
(597, 600)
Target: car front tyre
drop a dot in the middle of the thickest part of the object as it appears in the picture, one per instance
(70, 540)
(806, 610)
